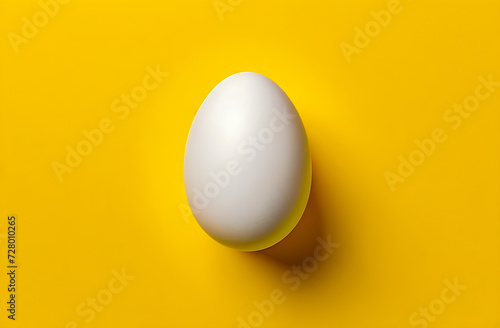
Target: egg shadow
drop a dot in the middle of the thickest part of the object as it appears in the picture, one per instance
(303, 239)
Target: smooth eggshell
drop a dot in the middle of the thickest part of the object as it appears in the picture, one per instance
(247, 167)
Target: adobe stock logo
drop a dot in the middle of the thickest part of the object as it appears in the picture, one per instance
(221, 7)
(122, 106)
(363, 37)
(449, 294)
(30, 28)
(293, 278)
(427, 147)
(249, 150)
(97, 303)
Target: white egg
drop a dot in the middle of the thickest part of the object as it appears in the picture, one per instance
(247, 166)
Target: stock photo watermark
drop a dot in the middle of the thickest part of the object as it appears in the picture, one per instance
(426, 147)
(292, 279)
(12, 266)
(94, 137)
(249, 148)
(223, 6)
(429, 313)
(94, 304)
(364, 36)
(31, 26)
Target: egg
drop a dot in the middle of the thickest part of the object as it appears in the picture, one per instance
(247, 165)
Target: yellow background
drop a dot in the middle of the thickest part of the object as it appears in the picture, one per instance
(122, 207)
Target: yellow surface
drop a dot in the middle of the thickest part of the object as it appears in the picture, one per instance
(123, 206)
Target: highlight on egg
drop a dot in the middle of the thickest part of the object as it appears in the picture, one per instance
(247, 165)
